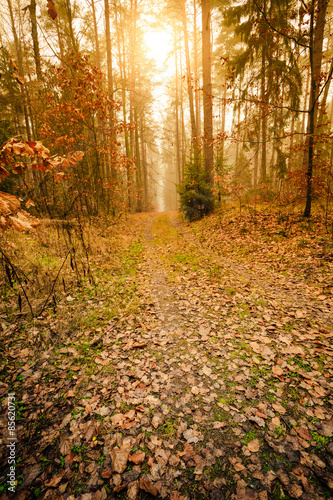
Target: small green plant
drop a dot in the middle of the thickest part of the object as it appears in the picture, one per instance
(62, 461)
(320, 440)
(37, 492)
(249, 436)
(279, 431)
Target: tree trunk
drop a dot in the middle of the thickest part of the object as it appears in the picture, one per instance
(98, 57)
(18, 49)
(263, 110)
(189, 87)
(108, 48)
(178, 169)
(196, 79)
(73, 40)
(207, 90)
(316, 51)
(144, 166)
(60, 42)
(122, 70)
(34, 34)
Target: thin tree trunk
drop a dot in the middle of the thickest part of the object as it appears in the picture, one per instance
(60, 43)
(98, 57)
(144, 166)
(34, 34)
(189, 87)
(196, 79)
(19, 56)
(207, 90)
(108, 48)
(122, 70)
(178, 169)
(316, 51)
(263, 110)
(73, 40)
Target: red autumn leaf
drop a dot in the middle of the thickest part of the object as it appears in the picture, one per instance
(51, 10)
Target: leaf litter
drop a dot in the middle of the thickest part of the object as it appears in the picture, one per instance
(220, 386)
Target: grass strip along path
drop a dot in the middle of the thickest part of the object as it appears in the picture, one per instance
(211, 377)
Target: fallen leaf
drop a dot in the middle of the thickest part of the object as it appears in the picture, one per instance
(254, 445)
(119, 459)
(137, 457)
(146, 485)
(192, 436)
(279, 408)
(261, 414)
(303, 432)
(277, 370)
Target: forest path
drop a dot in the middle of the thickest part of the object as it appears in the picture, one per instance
(237, 349)
(215, 381)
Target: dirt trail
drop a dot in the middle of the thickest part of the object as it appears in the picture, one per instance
(218, 387)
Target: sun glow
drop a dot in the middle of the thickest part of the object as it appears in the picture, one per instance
(159, 45)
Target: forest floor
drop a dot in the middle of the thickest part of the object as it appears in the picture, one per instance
(212, 376)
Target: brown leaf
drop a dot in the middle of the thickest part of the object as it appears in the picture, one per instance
(294, 490)
(279, 408)
(257, 420)
(261, 414)
(30, 203)
(146, 485)
(254, 445)
(3, 173)
(130, 414)
(237, 464)
(156, 421)
(106, 473)
(90, 432)
(119, 459)
(8, 204)
(13, 64)
(137, 457)
(303, 432)
(55, 480)
(277, 370)
(155, 440)
(19, 79)
(326, 429)
(120, 487)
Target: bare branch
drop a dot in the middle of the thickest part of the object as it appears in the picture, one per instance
(278, 31)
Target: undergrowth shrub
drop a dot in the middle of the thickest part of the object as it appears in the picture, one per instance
(196, 195)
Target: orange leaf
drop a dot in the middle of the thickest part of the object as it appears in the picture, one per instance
(19, 79)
